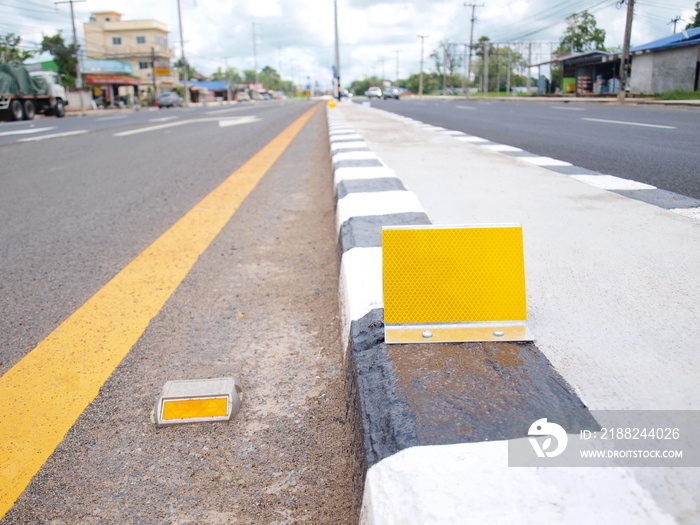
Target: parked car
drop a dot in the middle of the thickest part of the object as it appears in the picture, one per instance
(169, 100)
(373, 92)
(391, 92)
(242, 96)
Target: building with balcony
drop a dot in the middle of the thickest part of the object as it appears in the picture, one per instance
(142, 43)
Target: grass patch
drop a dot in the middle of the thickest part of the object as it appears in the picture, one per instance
(679, 94)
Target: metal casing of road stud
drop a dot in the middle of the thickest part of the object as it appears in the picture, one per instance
(454, 284)
(198, 401)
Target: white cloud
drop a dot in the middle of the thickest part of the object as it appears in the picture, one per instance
(265, 8)
(297, 36)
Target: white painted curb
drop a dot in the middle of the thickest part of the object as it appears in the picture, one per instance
(472, 483)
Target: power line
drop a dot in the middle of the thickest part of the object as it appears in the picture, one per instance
(39, 8)
(550, 17)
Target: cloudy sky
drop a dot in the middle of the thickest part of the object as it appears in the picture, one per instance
(296, 37)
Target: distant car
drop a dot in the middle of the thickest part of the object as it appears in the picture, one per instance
(392, 92)
(373, 92)
(242, 96)
(169, 100)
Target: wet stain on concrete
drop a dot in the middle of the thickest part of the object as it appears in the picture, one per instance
(446, 393)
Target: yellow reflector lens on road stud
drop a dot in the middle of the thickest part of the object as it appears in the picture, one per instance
(198, 401)
(454, 283)
(189, 408)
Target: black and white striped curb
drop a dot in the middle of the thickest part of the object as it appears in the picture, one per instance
(369, 196)
(472, 399)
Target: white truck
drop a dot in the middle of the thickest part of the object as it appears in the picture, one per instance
(24, 93)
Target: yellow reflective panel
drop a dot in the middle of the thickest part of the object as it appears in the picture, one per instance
(453, 274)
(193, 408)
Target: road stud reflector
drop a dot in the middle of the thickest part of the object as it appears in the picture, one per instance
(454, 284)
(198, 401)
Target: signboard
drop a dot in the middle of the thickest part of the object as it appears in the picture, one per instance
(162, 68)
(121, 80)
(454, 283)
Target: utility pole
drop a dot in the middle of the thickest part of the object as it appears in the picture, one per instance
(228, 81)
(487, 45)
(465, 80)
(153, 69)
(529, 66)
(420, 78)
(397, 65)
(183, 60)
(674, 22)
(471, 43)
(625, 51)
(445, 52)
(337, 53)
(78, 74)
(255, 54)
(279, 67)
(508, 73)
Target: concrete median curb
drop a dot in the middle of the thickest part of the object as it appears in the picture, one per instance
(436, 420)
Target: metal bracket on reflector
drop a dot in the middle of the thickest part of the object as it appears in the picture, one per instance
(454, 284)
(198, 401)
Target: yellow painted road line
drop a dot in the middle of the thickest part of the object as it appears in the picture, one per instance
(45, 393)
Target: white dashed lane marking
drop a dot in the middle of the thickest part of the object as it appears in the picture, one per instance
(628, 123)
(24, 131)
(54, 135)
(610, 182)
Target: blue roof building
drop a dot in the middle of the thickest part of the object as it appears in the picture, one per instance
(687, 37)
(670, 63)
(209, 85)
(667, 64)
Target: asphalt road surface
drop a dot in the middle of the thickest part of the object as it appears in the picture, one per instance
(650, 144)
(97, 221)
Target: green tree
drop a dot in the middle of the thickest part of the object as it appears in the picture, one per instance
(581, 34)
(270, 78)
(249, 76)
(360, 86)
(64, 56)
(447, 62)
(192, 72)
(219, 74)
(502, 60)
(10, 52)
(695, 22)
(431, 83)
(231, 73)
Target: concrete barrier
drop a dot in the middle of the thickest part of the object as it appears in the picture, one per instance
(434, 421)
